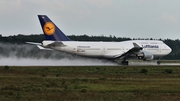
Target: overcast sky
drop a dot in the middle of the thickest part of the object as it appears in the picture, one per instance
(122, 18)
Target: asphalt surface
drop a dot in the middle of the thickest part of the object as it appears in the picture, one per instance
(73, 62)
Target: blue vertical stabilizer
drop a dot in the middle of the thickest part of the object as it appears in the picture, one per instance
(51, 31)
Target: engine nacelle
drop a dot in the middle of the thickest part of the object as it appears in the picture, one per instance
(145, 55)
(46, 43)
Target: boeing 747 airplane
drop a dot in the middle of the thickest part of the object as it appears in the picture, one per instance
(144, 50)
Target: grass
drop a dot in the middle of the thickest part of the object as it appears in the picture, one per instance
(86, 83)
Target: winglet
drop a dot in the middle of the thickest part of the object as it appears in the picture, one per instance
(137, 46)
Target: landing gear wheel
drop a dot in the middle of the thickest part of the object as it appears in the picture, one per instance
(125, 63)
(158, 62)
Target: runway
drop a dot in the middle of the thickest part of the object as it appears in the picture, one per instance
(72, 62)
(152, 64)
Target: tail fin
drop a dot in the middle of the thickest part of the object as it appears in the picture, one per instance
(51, 31)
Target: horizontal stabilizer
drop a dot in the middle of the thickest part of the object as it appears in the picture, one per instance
(33, 43)
(42, 48)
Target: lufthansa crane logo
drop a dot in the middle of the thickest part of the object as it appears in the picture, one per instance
(49, 28)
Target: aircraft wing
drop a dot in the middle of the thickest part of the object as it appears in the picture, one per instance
(127, 54)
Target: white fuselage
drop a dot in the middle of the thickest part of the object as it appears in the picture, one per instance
(112, 49)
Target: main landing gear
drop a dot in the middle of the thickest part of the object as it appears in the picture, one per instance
(124, 62)
(158, 62)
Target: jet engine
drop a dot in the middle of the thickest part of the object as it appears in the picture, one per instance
(145, 55)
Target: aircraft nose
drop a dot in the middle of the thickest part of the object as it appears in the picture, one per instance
(169, 50)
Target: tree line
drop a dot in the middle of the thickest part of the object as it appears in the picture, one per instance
(21, 39)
